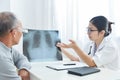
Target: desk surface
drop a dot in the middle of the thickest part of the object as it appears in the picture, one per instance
(39, 71)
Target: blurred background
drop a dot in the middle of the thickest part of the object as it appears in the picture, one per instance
(70, 17)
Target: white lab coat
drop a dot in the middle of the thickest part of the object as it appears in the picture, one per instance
(107, 54)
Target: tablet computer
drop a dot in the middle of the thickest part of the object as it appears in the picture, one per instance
(81, 71)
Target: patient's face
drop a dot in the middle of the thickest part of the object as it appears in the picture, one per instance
(17, 33)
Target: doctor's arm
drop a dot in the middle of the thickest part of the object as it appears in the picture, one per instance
(70, 56)
(86, 58)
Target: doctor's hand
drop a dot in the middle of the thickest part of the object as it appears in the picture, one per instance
(24, 74)
(72, 44)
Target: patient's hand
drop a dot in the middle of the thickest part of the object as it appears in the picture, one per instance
(24, 74)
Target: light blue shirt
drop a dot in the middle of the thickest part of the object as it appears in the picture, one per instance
(10, 59)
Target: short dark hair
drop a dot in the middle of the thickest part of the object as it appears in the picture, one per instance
(7, 22)
(101, 23)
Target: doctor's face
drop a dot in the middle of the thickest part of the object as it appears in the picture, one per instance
(93, 33)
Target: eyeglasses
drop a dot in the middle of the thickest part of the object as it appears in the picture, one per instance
(90, 30)
(24, 30)
(21, 30)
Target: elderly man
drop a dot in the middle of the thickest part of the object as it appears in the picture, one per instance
(10, 59)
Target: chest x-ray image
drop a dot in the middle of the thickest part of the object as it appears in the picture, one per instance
(40, 45)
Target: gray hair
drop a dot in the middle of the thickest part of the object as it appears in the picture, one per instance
(8, 21)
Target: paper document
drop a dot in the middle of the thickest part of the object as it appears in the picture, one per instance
(64, 66)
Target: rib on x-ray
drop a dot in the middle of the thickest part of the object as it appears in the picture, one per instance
(40, 45)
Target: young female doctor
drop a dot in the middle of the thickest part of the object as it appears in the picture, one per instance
(103, 51)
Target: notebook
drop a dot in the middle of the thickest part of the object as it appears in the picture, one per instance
(59, 67)
(65, 65)
(81, 71)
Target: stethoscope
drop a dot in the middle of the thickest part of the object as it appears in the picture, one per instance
(90, 50)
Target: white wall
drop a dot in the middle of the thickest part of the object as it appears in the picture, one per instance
(25, 10)
(44, 14)
(34, 13)
(4, 5)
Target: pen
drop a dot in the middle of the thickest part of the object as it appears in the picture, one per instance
(69, 64)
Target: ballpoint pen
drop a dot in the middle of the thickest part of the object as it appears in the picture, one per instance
(68, 64)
